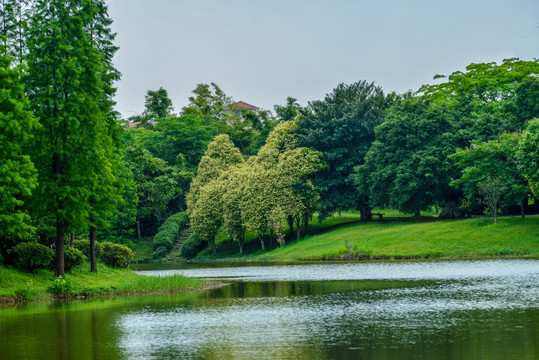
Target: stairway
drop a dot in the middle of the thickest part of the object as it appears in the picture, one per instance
(176, 250)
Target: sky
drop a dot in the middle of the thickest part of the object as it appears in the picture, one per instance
(262, 51)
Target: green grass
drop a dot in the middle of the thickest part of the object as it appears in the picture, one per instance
(142, 249)
(19, 285)
(398, 236)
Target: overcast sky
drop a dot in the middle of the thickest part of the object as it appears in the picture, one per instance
(261, 51)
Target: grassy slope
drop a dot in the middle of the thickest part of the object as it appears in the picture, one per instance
(402, 238)
(81, 282)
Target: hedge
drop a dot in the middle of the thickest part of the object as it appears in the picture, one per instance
(168, 233)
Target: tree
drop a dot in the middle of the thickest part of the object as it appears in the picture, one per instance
(13, 27)
(289, 111)
(157, 184)
(69, 83)
(204, 201)
(491, 169)
(18, 176)
(208, 102)
(528, 155)
(157, 103)
(406, 167)
(492, 190)
(342, 127)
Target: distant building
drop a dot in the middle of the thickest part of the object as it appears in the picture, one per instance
(239, 106)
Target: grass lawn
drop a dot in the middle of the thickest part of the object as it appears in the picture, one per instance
(398, 236)
(19, 285)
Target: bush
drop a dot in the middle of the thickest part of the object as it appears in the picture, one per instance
(32, 256)
(168, 233)
(115, 255)
(160, 252)
(192, 246)
(181, 220)
(84, 246)
(61, 286)
(73, 257)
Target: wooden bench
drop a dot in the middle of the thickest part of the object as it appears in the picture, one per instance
(380, 216)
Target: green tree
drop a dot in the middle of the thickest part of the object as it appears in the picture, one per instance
(204, 201)
(208, 101)
(528, 155)
(342, 127)
(13, 27)
(406, 167)
(69, 84)
(157, 184)
(289, 111)
(491, 170)
(18, 176)
(157, 103)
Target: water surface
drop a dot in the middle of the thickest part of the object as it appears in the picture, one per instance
(417, 310)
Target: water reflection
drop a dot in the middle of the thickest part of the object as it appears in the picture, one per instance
(439, 316)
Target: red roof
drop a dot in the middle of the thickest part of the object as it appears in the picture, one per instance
(242, 105)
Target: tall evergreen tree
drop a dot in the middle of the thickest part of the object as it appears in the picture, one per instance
(17, 173)
(69, 83)
(13, 26)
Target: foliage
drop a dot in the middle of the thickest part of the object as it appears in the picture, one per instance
(192, 246)
(157, 103)
(156, 182)
(73, 257)
(61, 286)
(491, 169)
(32, 256)
(168, 233)
(289, 111)
(208, 102)
(341, 127)
(83, 245)
(18, 176)
(116, 255)
(406, 167)
(70, 86)
(528, 155)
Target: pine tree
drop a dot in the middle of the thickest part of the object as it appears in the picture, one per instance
(70, 84)
(17, 173)
(13, 25)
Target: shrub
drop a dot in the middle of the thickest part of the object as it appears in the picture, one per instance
(32, 256)
(192, 246)
(84, 246)
(160, 252)
(73, 257)
(181, 220)
(115, 255)
(61, 286)
(168, 233)
(28, 292)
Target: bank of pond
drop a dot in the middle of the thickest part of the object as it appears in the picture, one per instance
(396, 237)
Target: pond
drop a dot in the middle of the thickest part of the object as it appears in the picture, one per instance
(485, 309)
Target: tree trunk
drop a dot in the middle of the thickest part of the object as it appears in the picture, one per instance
(306, 223)
(291, 226)
(262, 242)
(271, 238)
(417, 213)
(365, 213)
(298, 227)
(59, 271)
(240, 241)
(138, 229)
(93, 254)
(213, 249)
(72, 238)
(450, 211)
(522, 206)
